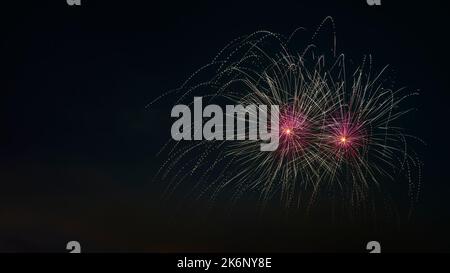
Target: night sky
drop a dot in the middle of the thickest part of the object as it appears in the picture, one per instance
(77, 145)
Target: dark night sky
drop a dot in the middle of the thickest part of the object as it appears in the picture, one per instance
(77, 144)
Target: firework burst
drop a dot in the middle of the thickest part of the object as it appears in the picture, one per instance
(338, 128)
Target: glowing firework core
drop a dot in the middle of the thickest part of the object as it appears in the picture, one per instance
(295, 133)
(332, 134)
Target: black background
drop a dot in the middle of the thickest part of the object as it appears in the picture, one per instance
(77, 144)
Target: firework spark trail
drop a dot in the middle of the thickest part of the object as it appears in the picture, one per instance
(337, 130)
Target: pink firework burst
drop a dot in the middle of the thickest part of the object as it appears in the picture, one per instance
(345, 136)
(295, 132)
